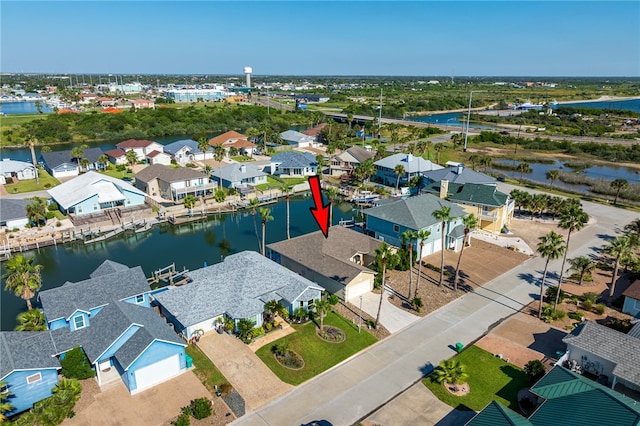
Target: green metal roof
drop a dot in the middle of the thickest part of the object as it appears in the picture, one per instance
(495, 414)
(471, 193)
(574, 399)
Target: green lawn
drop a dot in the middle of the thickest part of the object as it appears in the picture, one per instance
(271, 184)
(242, 158)
(489, 378)
(116, 174)
(46, 181)
(294, 181)
(204, 369)
(318, 355)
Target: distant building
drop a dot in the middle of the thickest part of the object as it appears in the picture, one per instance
(195, 95)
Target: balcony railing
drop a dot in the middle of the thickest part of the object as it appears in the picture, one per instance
(195, 188)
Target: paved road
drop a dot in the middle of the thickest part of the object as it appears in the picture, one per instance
(355, 388)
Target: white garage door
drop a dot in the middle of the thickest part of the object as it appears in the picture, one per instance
(355, 290)
(437, 245)
(156, 373)
(427, 249)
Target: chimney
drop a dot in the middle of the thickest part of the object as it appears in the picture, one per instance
(409, 158)
(243, 168)
(459, 168)
(444, 188)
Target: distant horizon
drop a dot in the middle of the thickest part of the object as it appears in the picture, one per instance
(320, 38)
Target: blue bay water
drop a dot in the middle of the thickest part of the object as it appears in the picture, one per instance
(625, 105)
(12, 108)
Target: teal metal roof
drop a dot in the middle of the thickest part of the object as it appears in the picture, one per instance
(495, 414)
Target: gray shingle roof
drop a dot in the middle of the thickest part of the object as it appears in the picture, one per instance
(360, 154)
(291, 159)
(234, 287)
(176, 146)
(86, 186)
(466, 176)
(612, 345)
(61, 302)
(415, 212)
(13, 209)
(329, 256)
(294, 136)
(168, 174)
(108, 267)
(26, 350)
(234, 172)
(55, 158)
(411, 163)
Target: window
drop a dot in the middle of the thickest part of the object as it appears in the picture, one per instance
(34, 378)
(140, 298)
(302, 304)
(78, 321)
(4, 388)
(396, 228)
(310, 302)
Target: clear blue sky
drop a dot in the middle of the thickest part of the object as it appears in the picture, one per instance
(428, 38)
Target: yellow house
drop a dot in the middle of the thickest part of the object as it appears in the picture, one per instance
(494, 209)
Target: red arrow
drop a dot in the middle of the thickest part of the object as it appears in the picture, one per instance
(320, 212)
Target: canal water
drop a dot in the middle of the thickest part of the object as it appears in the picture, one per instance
(188, 245)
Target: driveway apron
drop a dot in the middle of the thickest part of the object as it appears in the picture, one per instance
(253, 380)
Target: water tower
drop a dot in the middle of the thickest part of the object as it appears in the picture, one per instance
(247, 73)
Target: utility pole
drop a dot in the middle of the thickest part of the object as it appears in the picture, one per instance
(466, 135)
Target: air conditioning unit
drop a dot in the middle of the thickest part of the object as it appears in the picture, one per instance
(380, 237)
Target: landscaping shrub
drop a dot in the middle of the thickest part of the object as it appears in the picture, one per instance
(549, 315)
(416, 302)
(587, 305)
(201, 408)
(550, 294)
(600, 308)
(75, 365)
(333, 299)
(182, 420)
(258, 331)
(53, 206)
(53, 410)
(534, 369)
(577, 315)
(591, 296)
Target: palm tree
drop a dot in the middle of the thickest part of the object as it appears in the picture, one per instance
(633, 228)
(399, 170)
(619, 185)
(523, 168)
(365, 170)
(254, 203)
(620, 248)
(31, 320)
(322, 308)
(265, 214)
(572, 218)
(583, 265)
(85, 163)
(286, 189)
(486, 162)
(5, 407)
(470, 222)
(553, 175)
(423, 235)
(132, 157)
(189, 201)
(443, 215)
(22, 278)
(384, 251)
(451, 371)
(37, 211)
(32, 141)
(203, 145)
(551, 247)
(77, 153)
(219, 153)
(410, 236)
(103, 160)
(332, 192)
(438, 149)
(273, 308)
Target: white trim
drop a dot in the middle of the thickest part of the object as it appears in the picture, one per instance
(75, 324)
(136, 300)
(115, 340)
(30, 379)
(73, 314)
(147, 347)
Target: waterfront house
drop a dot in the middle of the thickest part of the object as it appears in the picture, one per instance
(389, 220)
(237, 288)
(298, 140)
(117, 156)
(339, 263)
(159, 157)
(457, 173)
(63, 164)
(239, 175)
(314, 132)
(27, 367)
(233, 139)
(632, 299)
(186, 151)
(413, 166)
(562, 397)
(606, 353)
(142, 148)
(494, 209)
(173, 183)
(294, 164)
(15, 170)
(93, 192)
(347, 161)
(13, 214)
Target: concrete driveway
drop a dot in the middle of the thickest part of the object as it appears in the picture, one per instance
(393, 318)
(155, 406)
(245, 371)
